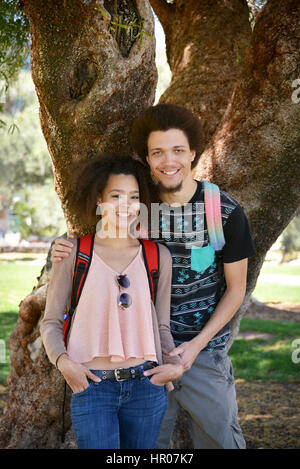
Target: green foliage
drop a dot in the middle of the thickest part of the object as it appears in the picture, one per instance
(26, 176)
(24, 159)
(133, 29)
(14, 39)
(39, 211)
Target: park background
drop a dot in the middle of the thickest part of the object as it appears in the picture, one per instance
(264, 355)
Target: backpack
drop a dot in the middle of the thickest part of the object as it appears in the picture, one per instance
(83, 260)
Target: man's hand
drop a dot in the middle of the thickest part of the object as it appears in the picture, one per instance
(61, 248)
(162, 374)
(75, 374)
(187, 351)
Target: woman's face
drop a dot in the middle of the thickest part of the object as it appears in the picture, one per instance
(119, 202)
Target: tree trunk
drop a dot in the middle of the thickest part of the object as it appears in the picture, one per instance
(254, 154)
(239, 83)
(205, 45)
(91, 81)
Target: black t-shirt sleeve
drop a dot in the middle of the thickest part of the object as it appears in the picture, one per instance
(239, 243)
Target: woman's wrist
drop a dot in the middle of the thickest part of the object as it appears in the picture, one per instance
(61, 359)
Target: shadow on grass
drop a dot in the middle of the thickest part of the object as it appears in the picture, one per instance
(270, 359)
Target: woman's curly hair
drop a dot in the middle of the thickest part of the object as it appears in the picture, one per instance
(93, 177)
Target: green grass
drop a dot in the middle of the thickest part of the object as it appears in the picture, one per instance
(276, 291)
(266, 358)
(16, 282)
(281, 269)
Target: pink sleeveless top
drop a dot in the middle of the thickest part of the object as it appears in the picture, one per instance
(101, 328)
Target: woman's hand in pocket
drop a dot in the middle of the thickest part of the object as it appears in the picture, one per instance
(75, 374)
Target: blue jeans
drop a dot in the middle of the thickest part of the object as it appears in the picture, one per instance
(118, 415)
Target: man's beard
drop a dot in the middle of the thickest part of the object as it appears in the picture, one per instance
(168, 190)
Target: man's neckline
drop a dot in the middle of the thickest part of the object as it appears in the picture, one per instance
(195, 196)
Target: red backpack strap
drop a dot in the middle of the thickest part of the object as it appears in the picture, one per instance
(83, 260)
(151, 259)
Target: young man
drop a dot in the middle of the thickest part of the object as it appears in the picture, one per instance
(208, 286)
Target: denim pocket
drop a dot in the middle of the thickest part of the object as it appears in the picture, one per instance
(202, 258)
(86, 390)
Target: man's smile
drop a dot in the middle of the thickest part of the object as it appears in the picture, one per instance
(170, 172)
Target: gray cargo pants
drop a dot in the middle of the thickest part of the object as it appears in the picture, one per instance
(207, 392)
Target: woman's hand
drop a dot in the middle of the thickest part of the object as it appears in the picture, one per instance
(75, 374)
(162, 374)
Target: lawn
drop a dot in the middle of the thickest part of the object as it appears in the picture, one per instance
(16, 281)
(278, 283)
(270, 357)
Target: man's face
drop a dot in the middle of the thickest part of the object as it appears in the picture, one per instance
(169, 158)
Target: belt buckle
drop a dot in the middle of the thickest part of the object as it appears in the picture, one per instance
(116, 371)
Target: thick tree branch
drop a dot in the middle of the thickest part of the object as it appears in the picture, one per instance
(90, 84)
(254, 155)
(164, 12)
(205, 44)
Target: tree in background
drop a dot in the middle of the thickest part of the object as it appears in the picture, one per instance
(290, 240)
(14, 44)
(26, 176)
(92, 79)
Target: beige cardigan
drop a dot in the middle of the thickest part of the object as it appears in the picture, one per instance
(58, 299)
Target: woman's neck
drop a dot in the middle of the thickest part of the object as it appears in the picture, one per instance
(115, 242)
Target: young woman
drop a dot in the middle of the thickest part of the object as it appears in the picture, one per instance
(117, 333)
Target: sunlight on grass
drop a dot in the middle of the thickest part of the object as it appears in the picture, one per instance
(283, 286)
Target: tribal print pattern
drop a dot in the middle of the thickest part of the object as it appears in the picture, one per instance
(194, 293)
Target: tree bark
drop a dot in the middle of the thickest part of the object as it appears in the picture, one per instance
(91, 80)
(254, 154)
(205, 45)
(92, 83)
(239, 83)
